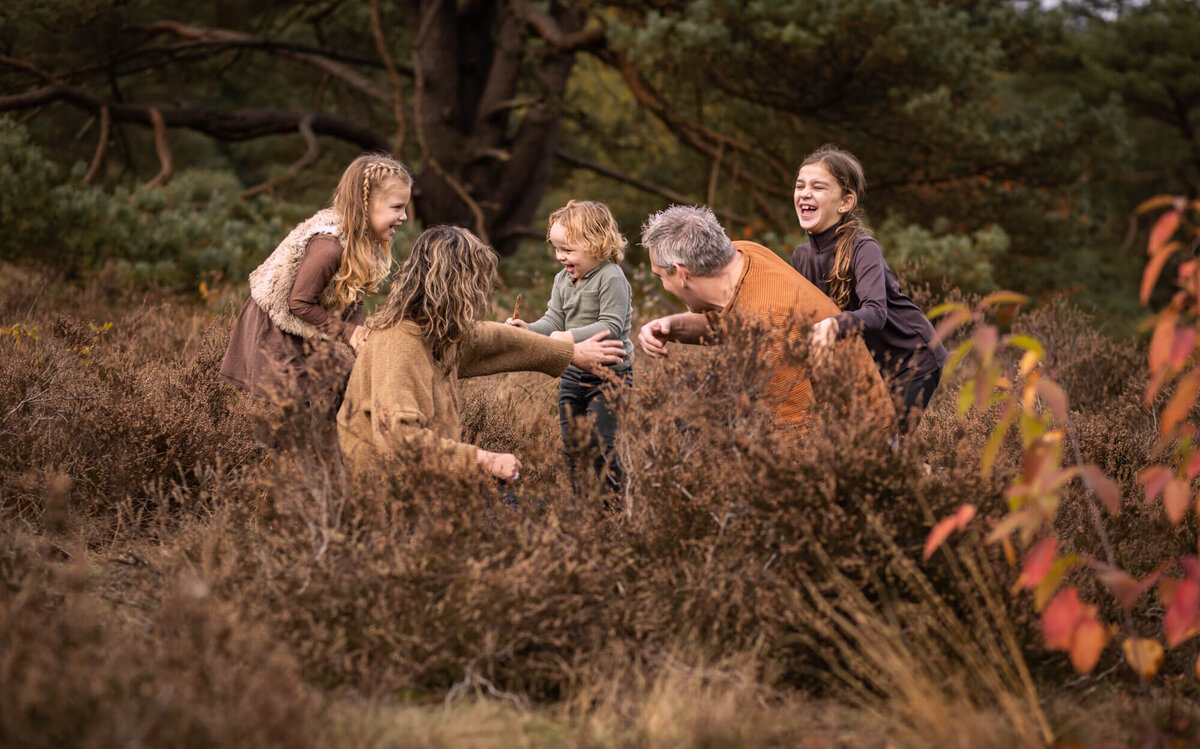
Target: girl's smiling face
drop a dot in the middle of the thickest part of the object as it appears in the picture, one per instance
(389, 209)
(573, 257)
(820, 200)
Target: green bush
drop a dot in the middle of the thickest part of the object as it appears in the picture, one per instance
(195, 228)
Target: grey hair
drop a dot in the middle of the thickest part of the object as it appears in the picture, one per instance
(689, 235)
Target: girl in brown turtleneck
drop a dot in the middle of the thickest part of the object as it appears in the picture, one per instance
(845, 262)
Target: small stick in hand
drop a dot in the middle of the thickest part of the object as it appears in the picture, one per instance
(516, 315)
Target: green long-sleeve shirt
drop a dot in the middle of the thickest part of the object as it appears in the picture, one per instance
(601, 300)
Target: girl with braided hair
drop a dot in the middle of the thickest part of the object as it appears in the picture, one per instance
(843, 260)
(306, 297)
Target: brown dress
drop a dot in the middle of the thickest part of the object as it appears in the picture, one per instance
(273, 364)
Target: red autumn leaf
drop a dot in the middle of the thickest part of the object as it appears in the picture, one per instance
(1183, 615)
(1123, 586)
(1182, 346)
(944, 527)
(1037, 562)
(1176, 498)
(1191, 566)
(985, 339)
(1164, 227)
(1061, 618)
(1156, 479)
(1105, 488)
(1090, 638)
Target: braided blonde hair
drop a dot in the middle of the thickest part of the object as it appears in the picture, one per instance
(366, 261)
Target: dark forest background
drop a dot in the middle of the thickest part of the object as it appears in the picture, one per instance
(1006, 144)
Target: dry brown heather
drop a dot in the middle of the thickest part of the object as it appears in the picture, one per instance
(180, 566)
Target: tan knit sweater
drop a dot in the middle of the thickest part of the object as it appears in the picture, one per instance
(399, 401)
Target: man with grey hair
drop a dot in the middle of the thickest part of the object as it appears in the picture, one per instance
(696, 261)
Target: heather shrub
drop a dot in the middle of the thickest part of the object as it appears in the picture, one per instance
(193, 229)
(420, 581)
(121, 408)
(192, 672)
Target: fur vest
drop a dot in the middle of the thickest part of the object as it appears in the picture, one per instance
(271, 283)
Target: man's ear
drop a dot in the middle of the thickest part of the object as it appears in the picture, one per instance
(683, 273)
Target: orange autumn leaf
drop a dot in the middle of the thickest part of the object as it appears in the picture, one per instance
(1061, 618)
(1183, 615)
(944, 527)
(1144, 655)
(1091, 637)
(1162, 339)
(1154, 268)
(1164, 227)
(1181, 402)
(1176, 499)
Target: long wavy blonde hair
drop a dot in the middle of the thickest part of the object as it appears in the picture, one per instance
(365, 260)
(591, 225)
(848, 172)
(443, 287)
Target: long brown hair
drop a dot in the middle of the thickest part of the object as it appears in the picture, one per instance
(848, 172)
(443, 287)
(365, 260)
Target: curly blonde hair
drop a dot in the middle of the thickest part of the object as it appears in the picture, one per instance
(365, 260)
(592, 226)
(443, 287)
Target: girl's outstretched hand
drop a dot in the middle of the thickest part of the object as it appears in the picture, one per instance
(517, 322)
(591, 355)
(504, 466)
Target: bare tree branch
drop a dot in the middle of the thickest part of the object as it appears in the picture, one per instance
(202, 36)
(696, 136)
(393, 75)
(591, 37)
(310, 156)
(323, 59)
(641, 184)
(101, 145)
(223, 124)
(28, 67)
(163, 149)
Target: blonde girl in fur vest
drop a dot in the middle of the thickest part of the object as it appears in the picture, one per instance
(305, 299)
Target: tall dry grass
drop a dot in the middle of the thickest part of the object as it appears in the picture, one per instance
(187, 567)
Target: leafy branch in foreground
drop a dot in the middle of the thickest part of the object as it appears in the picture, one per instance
(1028, 402)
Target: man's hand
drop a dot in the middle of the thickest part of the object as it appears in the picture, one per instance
(517, 322)
(359, 337)
(591, 355)
(825, 332)
(504, 466)
(654, 336)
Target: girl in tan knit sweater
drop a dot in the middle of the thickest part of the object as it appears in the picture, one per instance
(401, 399)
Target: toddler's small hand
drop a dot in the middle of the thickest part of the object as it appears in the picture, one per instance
(517, 322)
